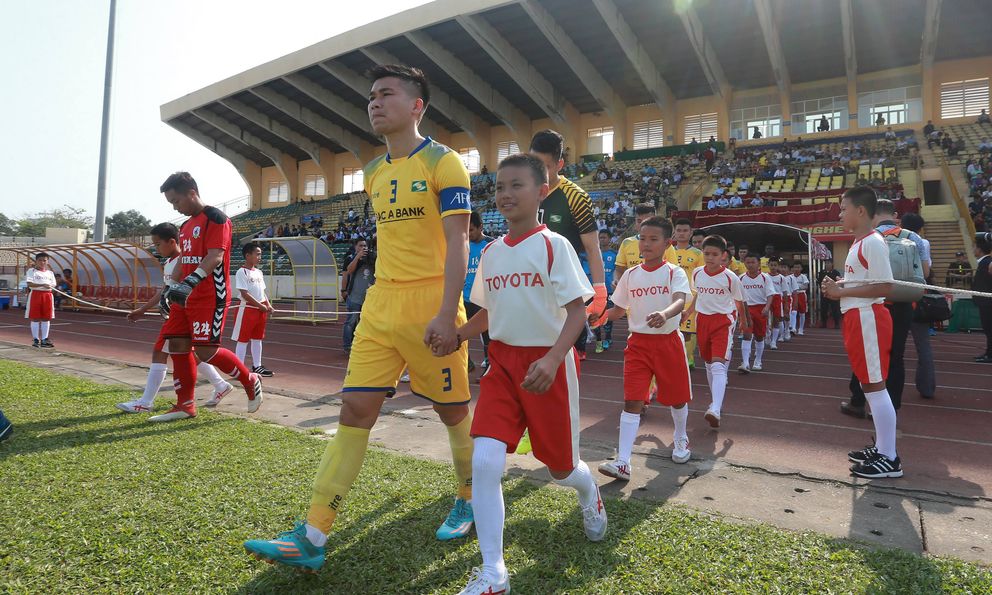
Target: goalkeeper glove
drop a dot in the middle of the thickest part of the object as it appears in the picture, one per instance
(179, 293)
(598, 305)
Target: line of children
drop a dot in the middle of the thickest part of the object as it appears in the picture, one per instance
(253, 309)
(759, 295)
(800, 307)
(40, 308)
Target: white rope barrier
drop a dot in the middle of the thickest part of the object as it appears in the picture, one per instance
(935, 288)
(276, 311)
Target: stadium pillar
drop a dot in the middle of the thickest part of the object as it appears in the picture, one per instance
(99, 227)
(328, 168)
(852, 103)
(290, 170)
(252, 175)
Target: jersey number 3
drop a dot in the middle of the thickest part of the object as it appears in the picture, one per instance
(392, 193)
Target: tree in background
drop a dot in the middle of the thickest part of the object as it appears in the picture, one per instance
(127, 224)
(8, 226)
(65, 216)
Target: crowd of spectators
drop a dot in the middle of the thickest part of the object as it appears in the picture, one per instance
(352, 225)
(979, 174)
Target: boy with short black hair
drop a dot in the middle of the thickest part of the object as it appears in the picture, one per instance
(40, 309)
(532, 291)
(697, 239)
(778, 303)
(253, 309)
(759, 293)
(688, 257)
(718, 299)
(800, 304)
(652, 295)
(604, 333)
(868, 329)
(789, 288)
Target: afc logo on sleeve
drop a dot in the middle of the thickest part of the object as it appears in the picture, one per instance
(461, 198)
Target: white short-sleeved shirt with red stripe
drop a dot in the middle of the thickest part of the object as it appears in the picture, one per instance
(801, 281)
(778, 283)
(868, 258)
(170, 272)
(209, 230)
(525, 282)
(642, 290)
(251, 280)
(789, 286)
(40, 277)
(716, 293)
(758, 289)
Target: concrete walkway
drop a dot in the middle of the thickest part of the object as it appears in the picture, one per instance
(939, 524)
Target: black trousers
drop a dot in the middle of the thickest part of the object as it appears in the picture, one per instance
(985, 313)
(831, 309)
(902, 319)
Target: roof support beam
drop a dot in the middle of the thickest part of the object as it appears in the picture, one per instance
(638, 56)
(491, 99)
(773, 42)
(704, 51)
(312, 120)
(441, 101)
(850, 51)
(344, 108)
(236, 159)
(931, 26)
(516, 66)
(285, 164)
(597, 86)
(285, 133)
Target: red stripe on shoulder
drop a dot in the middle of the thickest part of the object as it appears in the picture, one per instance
(861, 255)
(551, 252)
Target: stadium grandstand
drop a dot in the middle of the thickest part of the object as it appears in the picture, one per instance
(662, 101)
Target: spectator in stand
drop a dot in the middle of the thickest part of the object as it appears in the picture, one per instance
(756, 202)
(736, 201)
(781, 172)
(880, 120)
(756, 134)
(983, 118)
(893, 178)
(711, 205)
(890, 134)
(929, 128)
(824, 125)
(876, 180)
(744, 186)
(826, 171)
(722, 202)
(959, 272)
(934, 138)
(985, 146)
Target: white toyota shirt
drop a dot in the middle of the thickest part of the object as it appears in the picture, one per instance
(642, 291)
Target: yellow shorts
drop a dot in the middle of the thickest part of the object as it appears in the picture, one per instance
(689, 324)
(390, 337)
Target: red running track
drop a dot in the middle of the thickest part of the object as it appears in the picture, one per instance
(785, 418)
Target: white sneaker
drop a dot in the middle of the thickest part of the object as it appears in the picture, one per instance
(773, 346)
(219, 394)
(756, 367)
(800, 333)
(680, 451)
(135, 406)
(405, 377)
(255, 398)
(174, 414)
(712, 418)
(481, 583)
(744, 369)
(616, 470)
(594, 519)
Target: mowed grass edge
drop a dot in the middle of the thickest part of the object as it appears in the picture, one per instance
(97, 501)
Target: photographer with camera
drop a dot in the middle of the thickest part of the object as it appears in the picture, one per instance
(358, 277)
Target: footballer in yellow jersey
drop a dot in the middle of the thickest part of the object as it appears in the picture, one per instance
(629, 252)
(688, 258)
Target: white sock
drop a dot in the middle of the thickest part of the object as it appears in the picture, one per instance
(774, 335)
(241, 350)
(210, 373)
(35, 327)
(488, 462)
(709, 375)
(759, 351)
(802, 322)
(746, 351)
(629, 423)
(718, 384)
(156, 376)
(256, 352)
(581, 480)
(884, 416)
(316, 536)
(44, 329)
(680, 417)
(792, 319)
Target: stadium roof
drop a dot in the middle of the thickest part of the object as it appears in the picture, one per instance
(496, 62)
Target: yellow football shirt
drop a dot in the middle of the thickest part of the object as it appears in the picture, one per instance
(410, 196)
(764, 264)
(688, 259)
(737, 267)
(629, 253)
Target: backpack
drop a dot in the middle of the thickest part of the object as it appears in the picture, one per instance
(906, 265)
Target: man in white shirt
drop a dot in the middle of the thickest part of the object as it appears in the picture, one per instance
(40, 308)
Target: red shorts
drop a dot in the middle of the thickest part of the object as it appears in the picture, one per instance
(249, 323)
(160, 341)
(659, 356)
(868, 341)
(799, 304)
(715, 333)
(504, 409)
(776, 306)
(787, 305)
(759, 322)
(40, 306)
(202, 324)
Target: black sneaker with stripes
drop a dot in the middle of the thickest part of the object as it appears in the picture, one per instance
(877, 467)
(262, 371)
(860, 456)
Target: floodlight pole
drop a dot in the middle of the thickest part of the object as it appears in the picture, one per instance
(99, 227)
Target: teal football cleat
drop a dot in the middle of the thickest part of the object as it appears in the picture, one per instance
(290, 548)
(459, 521)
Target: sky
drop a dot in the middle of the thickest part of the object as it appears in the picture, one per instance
(52, 56)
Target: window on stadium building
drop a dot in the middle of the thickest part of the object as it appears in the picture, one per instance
(471, 159)
(354, 179)
(506, 148)
(648, 135)
(278, 192)
(960, 99)
(700, 126)
(600, 140)
(896, 106)
(313, 185)
(806, 114)
(766, 118)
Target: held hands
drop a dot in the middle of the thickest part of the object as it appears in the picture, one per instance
(441, 335)
(134, 315)
(597, 308)
(657, 319)
(269, 308)
(541, 374)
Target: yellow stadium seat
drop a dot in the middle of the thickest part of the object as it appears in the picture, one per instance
(819, 201)
(806, 201)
